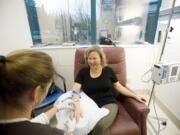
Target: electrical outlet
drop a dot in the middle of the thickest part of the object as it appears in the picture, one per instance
(164, 123)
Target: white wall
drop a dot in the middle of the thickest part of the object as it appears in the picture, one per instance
(139, 59)
(63, 59)
(14, 27)
(166, 4)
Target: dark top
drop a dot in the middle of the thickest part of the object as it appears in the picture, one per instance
(100, 88)
(28, 128)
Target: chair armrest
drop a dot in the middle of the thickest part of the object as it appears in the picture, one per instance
(64, 81)
(138, 111)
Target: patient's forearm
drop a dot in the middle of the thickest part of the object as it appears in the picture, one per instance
(76, 100)
(77, 112)
(76, 87)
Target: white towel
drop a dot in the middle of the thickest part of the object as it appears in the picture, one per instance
(91, 115)
(41, 118)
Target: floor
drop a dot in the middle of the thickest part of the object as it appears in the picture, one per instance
(165, 126)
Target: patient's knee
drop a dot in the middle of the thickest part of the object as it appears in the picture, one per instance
(100, 127)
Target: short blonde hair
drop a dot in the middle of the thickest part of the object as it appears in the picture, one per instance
(100, 53)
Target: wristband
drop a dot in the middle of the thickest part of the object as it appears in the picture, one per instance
(75, 93)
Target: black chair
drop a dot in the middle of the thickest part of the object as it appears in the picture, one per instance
(106, 41)
(53, 94)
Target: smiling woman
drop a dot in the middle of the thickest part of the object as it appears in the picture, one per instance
(98, 81)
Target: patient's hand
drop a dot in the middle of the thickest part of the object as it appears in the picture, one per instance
(78, 111)
(70, 126)
(140, 99)
(78, 114)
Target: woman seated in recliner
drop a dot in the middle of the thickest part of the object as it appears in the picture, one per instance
(97, 80)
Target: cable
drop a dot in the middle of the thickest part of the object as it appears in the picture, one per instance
(161, 119)
(142, 77)
(163, 128)
(158, 122)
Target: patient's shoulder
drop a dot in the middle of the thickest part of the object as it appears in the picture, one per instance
(107, 69)
(84, 70)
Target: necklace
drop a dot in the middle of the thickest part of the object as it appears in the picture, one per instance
(95, 73)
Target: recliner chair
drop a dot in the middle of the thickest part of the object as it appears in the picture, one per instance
(132, 115)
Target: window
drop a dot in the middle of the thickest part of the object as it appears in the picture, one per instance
(121, 20)
(73, 22)
(59, 21)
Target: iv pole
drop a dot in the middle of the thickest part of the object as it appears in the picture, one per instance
(159, 60)
(163, 46)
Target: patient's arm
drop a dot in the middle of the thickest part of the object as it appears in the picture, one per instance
(76, 98)
(76, 87)
(70, 125)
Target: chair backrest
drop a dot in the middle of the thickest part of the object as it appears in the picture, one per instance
(115, 59)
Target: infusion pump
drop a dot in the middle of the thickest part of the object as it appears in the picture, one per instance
(166, 73)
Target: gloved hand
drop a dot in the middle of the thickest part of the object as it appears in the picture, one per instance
(67, 104)
(70, 125)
